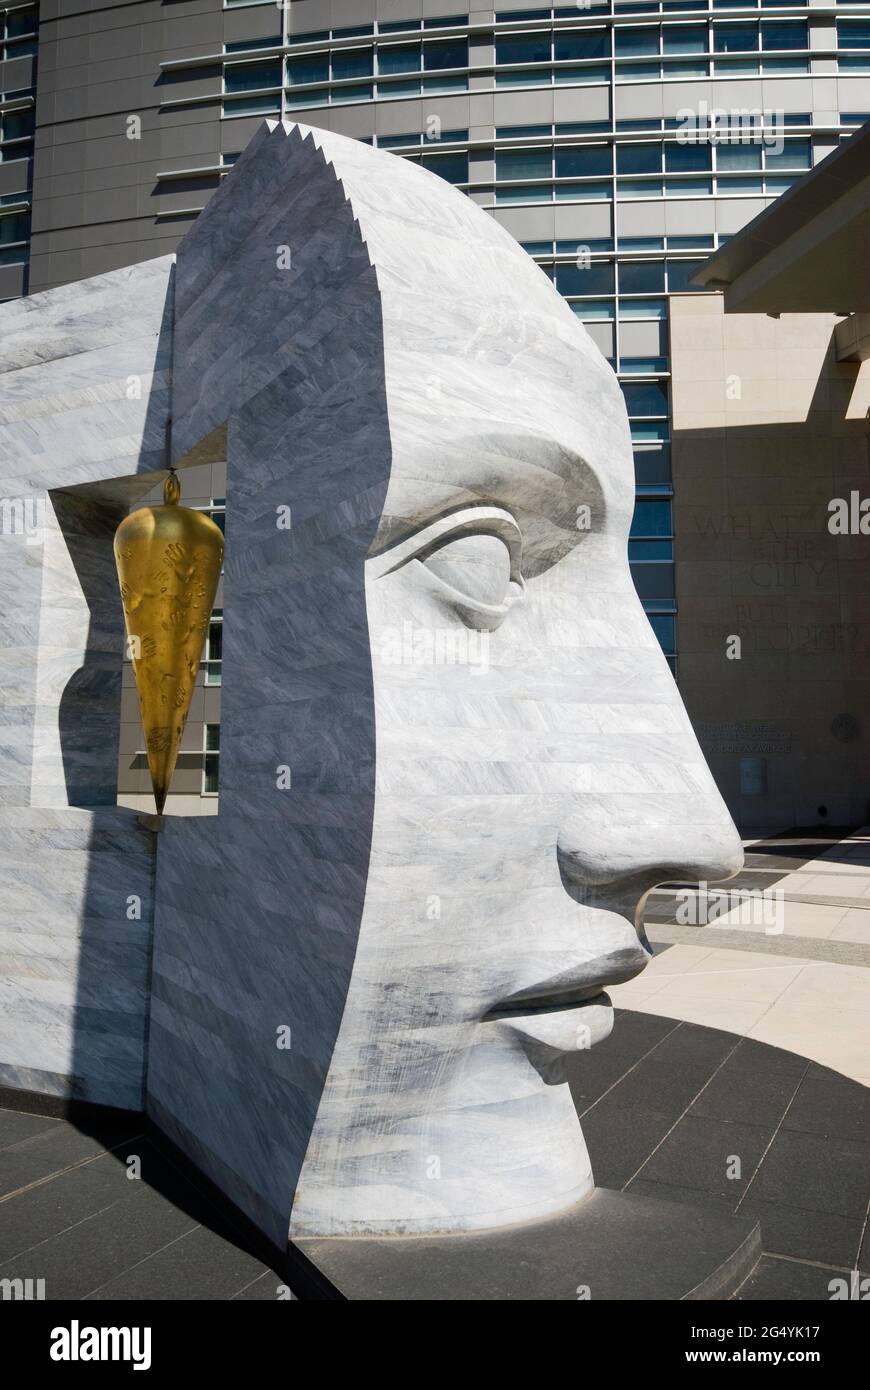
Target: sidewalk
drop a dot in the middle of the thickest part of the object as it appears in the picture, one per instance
(802, 985)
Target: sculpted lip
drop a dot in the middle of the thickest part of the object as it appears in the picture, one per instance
(579, 985)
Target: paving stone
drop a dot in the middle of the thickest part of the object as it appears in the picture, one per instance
(787, 1281)
(828, 1103)
(822, 1236)
(754, 1085)
(810, 1171)
(201, 1264)
(698, 1153)
(620, 1140)
(53, 1150)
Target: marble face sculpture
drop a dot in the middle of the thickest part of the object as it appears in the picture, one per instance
(490, 762)
(535, 772)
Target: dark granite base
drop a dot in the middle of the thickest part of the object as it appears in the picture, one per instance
(663, 1104)
(611, 1246)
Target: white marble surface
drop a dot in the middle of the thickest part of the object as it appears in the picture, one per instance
(490, 763)
(84, 388)
(461, 837)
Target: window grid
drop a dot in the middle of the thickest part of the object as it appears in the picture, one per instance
(628, 279)
(211, 748)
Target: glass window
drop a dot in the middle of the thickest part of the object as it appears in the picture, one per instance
(643, 308)
(255, 106)
(452, 167)
(650, 550)
(356, 93)
(359, 62)
(700, 242)
(652, 467)
(301, 70)
(586, 74)
(524, 164)
(784, 35)
(736, 38)
(592, 309)
(524, 193)
(595, 43)
(643, 366)
(685, 38)
(589, 161)
(639, 159)
(520, 77)
(212, 758)
(15, 228)
(642, 277)
(248, 77)
(655, 583)
(242, 44)
(583, 128)
(679, 274)
(646, 123)
(17, 125)
(651, 518)
(574, 192)
(403, 57)
(636, 42)
(645, 398)
(445, 55)
(214, 651)
(631, 72)
(531, 48)
(853, 33)
(520, 132)
(738, 156)
(665, 629)
(796, 154)
(593, 243)
(20, 22)
(595, 279)
(683, 187)
(641, 243)
(680, 159)
(646, 188)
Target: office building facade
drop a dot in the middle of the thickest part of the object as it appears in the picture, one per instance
(571, 125)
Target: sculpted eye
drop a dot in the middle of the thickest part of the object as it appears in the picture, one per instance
(478, 566)
(474, 558)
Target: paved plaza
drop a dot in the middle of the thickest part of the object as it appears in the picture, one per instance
(720, 1052)
(805, 988)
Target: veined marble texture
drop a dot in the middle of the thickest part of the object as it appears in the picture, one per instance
(84, 401)
(453, 758)
(366, 980)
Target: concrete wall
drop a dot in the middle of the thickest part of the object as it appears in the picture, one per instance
(97, 201)
(768, 428)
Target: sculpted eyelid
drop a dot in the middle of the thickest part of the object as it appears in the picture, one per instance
(471, 521)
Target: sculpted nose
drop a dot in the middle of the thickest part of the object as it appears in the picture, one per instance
(616, 852)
